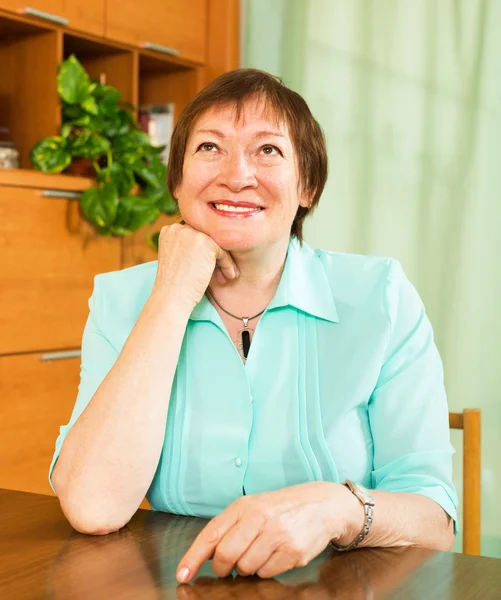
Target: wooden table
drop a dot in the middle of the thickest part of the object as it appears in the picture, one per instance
(41, 556)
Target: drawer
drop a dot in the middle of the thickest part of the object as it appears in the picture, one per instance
(36, 398)
(49, 256)
(37, 395)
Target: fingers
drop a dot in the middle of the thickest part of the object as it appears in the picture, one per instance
(233, 545)
(219, 276)
(226, 263)
(278, 563)
(204, 545)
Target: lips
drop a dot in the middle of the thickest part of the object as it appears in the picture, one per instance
(237, 204)
(240, 210)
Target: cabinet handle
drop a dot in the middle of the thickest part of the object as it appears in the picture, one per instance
(60, 194)
(45, 15)
(163, 49)
(61, 355)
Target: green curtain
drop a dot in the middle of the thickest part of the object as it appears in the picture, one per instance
(409, 95)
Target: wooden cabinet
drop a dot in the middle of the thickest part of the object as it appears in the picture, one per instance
(85, 16)
(51, 7)
(171, 24)
(49, 258)
(49, 253)
(37, 397)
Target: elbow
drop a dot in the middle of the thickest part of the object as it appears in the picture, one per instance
(93, 526)
(88, 517)
(449, 537)
(91, 522)
(446, 540)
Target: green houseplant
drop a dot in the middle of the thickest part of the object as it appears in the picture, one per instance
(130, 189)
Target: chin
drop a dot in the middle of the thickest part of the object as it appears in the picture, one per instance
(234, 242)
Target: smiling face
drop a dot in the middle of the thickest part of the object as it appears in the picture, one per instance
(240, 180)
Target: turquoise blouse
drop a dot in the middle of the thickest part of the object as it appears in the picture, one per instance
(343, 381)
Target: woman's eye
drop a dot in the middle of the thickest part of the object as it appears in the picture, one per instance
(270, 150)
(207, 147)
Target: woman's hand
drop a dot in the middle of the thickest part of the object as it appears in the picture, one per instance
(272, 532)
(187, 260)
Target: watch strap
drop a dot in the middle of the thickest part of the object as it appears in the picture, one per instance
(369, 517)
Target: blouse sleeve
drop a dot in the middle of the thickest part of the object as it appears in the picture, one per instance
(98, 356)
(408, 410)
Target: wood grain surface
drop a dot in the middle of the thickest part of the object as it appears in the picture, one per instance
(41, 556)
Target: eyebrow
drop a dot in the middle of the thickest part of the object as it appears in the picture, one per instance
(258, 135)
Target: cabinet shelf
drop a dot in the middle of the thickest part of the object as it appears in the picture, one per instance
(35, 179)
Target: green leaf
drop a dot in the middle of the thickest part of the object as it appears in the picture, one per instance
(90, 105)
(157, 149)
(83, 121)
(147, 174)
(135, 142)
(51, 155)
(107, 97)
(118, 124)
(72, 111)
(123, 178)
(100, 204)
(73, 81)
(167, 204)
(85, 144)
(157, 166)
(66, 129)
(162, 199)
(154, 240)
(133, 213)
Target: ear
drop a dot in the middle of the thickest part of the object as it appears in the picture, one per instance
(306, 201)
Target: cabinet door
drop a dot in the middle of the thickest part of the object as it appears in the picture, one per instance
(169, 23)
(37, 397)
(85, 16)
(50, 255)
(50, 7)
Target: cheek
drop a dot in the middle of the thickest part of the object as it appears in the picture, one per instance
(194, 183)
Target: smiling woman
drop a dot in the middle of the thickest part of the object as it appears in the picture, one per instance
(239, 181)
(294, 395)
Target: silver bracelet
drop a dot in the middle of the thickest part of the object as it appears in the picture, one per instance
(367, 501)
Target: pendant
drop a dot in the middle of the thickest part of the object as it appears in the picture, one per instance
(244, 340)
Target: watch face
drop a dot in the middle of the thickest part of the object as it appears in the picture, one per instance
(363, 493)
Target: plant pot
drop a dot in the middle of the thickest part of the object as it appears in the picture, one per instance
(81, 167)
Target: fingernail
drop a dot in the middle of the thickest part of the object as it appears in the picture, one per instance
(183, 575)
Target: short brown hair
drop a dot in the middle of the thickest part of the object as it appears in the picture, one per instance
(236, 88)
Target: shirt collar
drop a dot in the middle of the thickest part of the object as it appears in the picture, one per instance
(303, 285)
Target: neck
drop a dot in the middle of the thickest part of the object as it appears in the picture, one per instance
(260, 273)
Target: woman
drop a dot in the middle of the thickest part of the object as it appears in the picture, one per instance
(245, 376)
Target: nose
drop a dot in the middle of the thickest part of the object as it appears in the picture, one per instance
(237, 172)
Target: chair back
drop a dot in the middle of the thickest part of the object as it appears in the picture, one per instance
(469, 421)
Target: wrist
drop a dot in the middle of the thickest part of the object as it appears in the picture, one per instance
(354, 517)
(164, 298)
(163, 302)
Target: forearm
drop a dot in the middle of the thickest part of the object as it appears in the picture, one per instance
(400, 519)
(110, 455)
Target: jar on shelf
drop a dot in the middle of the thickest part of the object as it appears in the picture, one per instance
(9, 156)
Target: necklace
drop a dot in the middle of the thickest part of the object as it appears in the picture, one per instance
(244, 334)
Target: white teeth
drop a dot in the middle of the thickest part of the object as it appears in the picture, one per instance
(228, 208)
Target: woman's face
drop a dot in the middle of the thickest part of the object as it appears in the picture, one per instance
(240, 180)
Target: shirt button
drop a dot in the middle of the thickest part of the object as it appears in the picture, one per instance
(238, 462)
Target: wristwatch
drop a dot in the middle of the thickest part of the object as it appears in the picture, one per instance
(367, 501)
